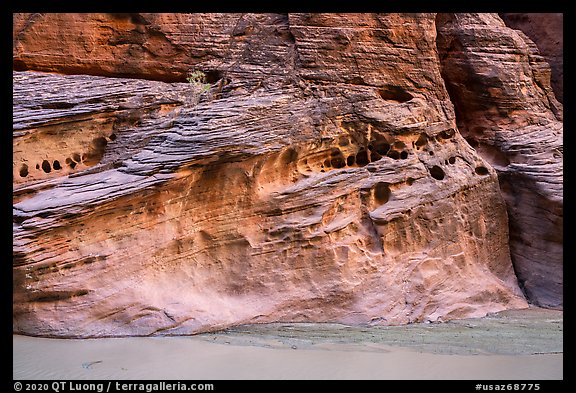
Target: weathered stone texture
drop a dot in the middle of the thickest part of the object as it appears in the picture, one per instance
(506, 110)
(546, 30)
(321, 178)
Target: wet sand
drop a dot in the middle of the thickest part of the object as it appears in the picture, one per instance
(519, 344)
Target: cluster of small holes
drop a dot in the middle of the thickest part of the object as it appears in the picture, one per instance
(374, 151)
(95, 154)
(379, 147)
(451, 160)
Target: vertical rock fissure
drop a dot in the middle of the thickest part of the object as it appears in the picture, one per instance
(505, 109)
(443, 53)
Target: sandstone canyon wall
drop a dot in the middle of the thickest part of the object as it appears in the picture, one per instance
(546, 30)
(510, 115)
(322, 177)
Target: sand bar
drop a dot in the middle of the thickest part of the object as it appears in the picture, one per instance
(523, 344)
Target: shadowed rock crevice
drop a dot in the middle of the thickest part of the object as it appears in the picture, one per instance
(394, 93)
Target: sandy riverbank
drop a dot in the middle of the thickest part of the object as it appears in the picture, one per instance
(520, 344)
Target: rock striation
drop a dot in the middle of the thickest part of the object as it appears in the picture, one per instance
(322, 177)
(546, 30)
(506, 110)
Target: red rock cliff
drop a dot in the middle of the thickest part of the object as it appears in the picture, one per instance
(322, 177)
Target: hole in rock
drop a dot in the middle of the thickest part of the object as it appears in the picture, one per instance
(436, 172)
(213, 76)
(452, 160)
(335, 152)
(382, 192)
(58, 105)
(24, 170)
(99, 143)
(422, 140)
(46, 166)
(394, 93)
(394, 154)
(403, 154)
(381, 148)
(56, 165)
(76, 157)
(362, 158)
(431, 152)
(113, 137)
(350, 160)
(327, 163)
(410, 181)
(92, 157)
(70, 163)
(480, 170)
(446, 134)
(37, 166)
(338, 162)
(289, 156)
(375, 156)
(398, 145)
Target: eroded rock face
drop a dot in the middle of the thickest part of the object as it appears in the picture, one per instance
(507, 111)
(153, 46)
(322, 178)
(546, 30)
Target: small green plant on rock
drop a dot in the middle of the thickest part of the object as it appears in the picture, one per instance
(197, 80)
